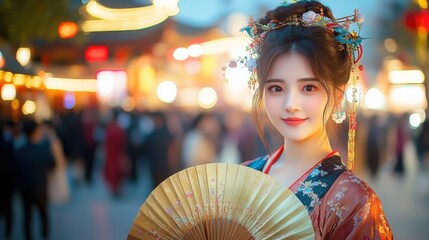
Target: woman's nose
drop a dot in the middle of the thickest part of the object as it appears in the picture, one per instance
(292, 101)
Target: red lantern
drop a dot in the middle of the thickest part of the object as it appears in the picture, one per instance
(417, 19)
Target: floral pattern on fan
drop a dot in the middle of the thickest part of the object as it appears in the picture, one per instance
(221, 201)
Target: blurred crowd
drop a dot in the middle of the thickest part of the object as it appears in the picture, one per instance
(41, 160)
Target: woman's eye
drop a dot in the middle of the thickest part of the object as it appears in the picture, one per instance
(309, 88)
(275, 89)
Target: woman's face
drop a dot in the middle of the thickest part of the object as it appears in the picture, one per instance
(294, 99)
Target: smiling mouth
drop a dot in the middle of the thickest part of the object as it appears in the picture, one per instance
(293, 121)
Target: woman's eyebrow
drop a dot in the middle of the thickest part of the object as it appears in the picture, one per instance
(278, 80)
(275, 80)
(311, 79)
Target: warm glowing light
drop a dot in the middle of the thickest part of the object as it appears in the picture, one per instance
(374, 99)
(112, 86)
(7, 76)
(36, 82)
(390, 45)
(167, 91)
(23, 56)
(168, 6)
(67, 29)
(207, 98)
(105, 85)
(28, 82)
(122, 25)
(393, 64)
(8, 92)
(180, 54)
(407, 97)
(97, 10)
(70, 84)
(18, 79)
(14, 104)
(29, 107)
(146, 79)
(225, 45)
(124, 19)
(406, 76)
(423, 4)
(195, 50)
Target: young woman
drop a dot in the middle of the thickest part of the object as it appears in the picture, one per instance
(304, 58)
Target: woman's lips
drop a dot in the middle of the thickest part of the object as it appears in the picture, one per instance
(293, 121)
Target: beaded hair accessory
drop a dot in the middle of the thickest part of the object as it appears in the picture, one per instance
(341, 27)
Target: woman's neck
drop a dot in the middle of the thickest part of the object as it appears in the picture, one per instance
(305, 154)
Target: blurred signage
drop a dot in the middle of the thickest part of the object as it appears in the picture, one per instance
(96, 54)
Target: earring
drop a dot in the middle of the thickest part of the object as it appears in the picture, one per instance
(338, 116)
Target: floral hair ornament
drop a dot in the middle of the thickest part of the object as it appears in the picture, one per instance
(346, 37)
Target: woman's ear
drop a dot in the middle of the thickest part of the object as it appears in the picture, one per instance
(339, 95)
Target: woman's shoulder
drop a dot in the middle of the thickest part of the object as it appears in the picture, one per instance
(352, 196)
(349, 181)
(355, 208)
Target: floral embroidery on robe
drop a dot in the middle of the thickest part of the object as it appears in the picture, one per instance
(340, 204)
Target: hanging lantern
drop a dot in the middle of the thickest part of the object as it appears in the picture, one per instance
(417, 19)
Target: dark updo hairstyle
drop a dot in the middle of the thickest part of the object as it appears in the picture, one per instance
(329, 60)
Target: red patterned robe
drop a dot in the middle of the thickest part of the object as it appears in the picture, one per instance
(340, 204)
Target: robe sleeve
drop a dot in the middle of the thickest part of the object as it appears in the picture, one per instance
(354, 211)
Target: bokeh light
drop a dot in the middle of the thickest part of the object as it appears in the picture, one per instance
(69, 100)
(180, 54)
(195, 50)
(8, 92)
(23, 56)
(374, 99)
(29, 107)
(207, 98)
(167, 91)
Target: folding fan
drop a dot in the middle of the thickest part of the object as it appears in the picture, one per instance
(221, 201)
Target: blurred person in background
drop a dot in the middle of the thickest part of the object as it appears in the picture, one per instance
(373, 145)
(34, 162)
(422, 142)
(58, 187)
(7, 174)
(134, 144)
(89, 126)
(203, 142)
(402, 137)
(116, 166)
(70, 131)
(158, 148)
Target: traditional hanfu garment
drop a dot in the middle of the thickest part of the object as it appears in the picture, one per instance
(340, 205)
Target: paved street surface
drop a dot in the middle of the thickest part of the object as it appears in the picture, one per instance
(94, 214)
